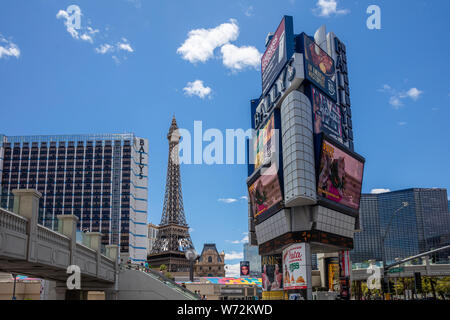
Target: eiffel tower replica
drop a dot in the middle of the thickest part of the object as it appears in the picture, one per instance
(173, 233)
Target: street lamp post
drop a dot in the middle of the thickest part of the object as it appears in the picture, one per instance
(14, 287)
(385, 270)
(191, 255)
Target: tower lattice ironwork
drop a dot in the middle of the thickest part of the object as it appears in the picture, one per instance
(173, 233)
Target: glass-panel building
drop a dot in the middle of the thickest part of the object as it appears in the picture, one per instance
(102, 179)
(251, 255)
(421, 226)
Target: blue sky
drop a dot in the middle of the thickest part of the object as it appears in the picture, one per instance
(125, 70)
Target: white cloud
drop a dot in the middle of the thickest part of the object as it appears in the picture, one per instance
(238, 58)
(232, 200)
(201, 43)
(8, 48)
(88, 33)
(232, 270)
(62, 14)
(124, 45)
(379, 191)
(227, 200)
(198, 89)
(86, 37)
(249, 11)
(414, 93)
(234, 255)
(396, 97)
(402, 123)
(326, 8)
(243, 240)
(104, 48)
(395, 102)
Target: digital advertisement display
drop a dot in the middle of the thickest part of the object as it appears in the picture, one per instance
(332, 267)
(245, 268)
(265, 192)
(340, 176)
(272, 273)
(327, 115)
(294, 267)
(279, 50)
(263, 144)
(319, 67)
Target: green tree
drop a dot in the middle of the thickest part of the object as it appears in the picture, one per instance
(169, 275)
(163, 267)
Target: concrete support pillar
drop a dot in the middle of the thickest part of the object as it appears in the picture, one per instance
(26, 204)
(54, 290)
(92, 240)
(308, 271)
(112, 251)
(67, 225)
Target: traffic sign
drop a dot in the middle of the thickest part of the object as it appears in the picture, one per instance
(396, 270)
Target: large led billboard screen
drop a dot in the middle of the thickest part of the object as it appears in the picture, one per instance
(272, 273)
(263, 144)
(278, 52)
(340, 175)
(265, 194)
(327, 115)
(245, 268)
(319, 67)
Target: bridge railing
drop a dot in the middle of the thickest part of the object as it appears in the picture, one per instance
(48, 235)
(12, 221)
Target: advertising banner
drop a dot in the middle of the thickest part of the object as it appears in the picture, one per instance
(327, 115)
(245, 268)
(345, 265)
(272, 273)
(332, 267)
(319, 67)
(294, 266)
(279, 50)
(340, 176)
(265, 193)
(263, 146)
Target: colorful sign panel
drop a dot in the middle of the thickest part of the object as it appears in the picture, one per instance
(332, 265)
(345, 265)
(263, 144)
(279, 50)
(245, 268)
(327, 115)
(340, 176)
(319, 67)
(272, 273)
(294, 266)
(228, 280)
(265, 192)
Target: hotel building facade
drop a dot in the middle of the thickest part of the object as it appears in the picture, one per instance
(101, 179)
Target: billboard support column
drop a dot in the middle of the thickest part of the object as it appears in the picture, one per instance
(308, 271)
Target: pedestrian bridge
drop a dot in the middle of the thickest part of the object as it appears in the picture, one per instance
(406, 271)
(28, 248)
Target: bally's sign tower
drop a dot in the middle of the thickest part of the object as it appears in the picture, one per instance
(304, 177)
